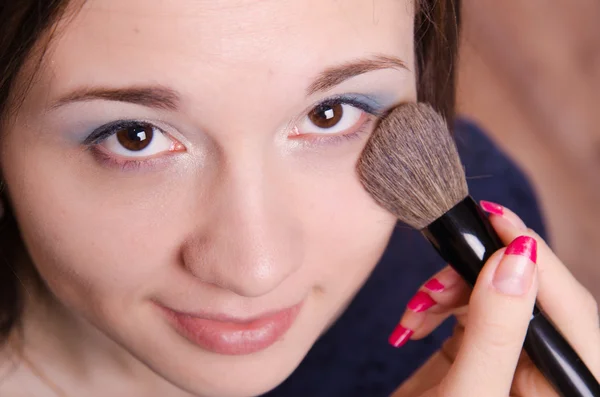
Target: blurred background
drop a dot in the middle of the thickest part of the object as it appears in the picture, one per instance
(529, 74)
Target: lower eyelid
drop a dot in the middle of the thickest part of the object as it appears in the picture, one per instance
(123, 164)
(340, 138)
(113, 160)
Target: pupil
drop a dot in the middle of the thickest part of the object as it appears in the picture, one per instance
(326, 116)
(135, 138)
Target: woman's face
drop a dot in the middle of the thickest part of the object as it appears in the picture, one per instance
(183, 174)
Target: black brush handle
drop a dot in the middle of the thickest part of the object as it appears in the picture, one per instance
(465, 239)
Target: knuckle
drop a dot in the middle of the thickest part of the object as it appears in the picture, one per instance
(494, 336)
(493, 343)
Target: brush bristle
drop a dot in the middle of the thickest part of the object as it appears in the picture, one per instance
(411, 167)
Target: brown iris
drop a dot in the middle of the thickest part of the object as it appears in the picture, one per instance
(135, 138)
(326, 116)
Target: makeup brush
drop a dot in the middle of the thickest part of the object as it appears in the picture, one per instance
(411, 168)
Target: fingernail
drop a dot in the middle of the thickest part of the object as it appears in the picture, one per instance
(400, 336)
(492, 208)
(434, 285)
(523, 246)
(420, 302)
(516, 269)
(443, 281)
(497, 209)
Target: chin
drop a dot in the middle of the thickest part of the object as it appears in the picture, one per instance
(238, 382)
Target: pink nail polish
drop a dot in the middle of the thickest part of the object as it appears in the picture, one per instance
(516, 269)
(434, 285)
(492, 208)
(524, 246)
(420, 302)
(400, 336)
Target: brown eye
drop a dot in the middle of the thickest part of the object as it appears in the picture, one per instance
(139, 140)
(330, 118)
(326, 116)
(135, 138)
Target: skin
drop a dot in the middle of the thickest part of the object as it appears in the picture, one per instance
(243, 219)
(484, 355)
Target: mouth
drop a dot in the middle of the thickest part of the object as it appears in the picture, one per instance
(231, 336)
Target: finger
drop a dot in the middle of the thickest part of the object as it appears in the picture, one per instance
(431, 305)
(452, 345)
(501, 211)
(499, 312)
(449, 301)
(570, 305)
(448, 289)
(425, 378)
(527, 382)
(552, 273)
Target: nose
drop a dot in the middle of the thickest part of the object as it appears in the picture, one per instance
(249, 241)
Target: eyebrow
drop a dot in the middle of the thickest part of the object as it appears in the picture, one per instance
(158, 97)
(333, 76)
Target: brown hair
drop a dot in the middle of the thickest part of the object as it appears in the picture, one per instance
(24, 22)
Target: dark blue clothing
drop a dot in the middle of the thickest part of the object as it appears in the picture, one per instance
(353, 357)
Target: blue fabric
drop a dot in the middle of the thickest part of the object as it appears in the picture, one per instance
(353, 358)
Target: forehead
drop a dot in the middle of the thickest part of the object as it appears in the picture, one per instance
(207, 45)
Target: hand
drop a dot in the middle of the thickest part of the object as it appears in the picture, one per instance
(483, 357)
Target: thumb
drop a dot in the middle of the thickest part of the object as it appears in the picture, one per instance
(500, 309)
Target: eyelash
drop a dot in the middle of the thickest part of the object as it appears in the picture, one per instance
(92, 142)
(349, 100)
(107, 130)
(110, 129)
(371, 109)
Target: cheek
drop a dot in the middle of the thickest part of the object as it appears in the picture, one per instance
(92, 245)
(346, 230)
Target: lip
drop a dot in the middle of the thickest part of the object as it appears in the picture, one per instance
(230, 336)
